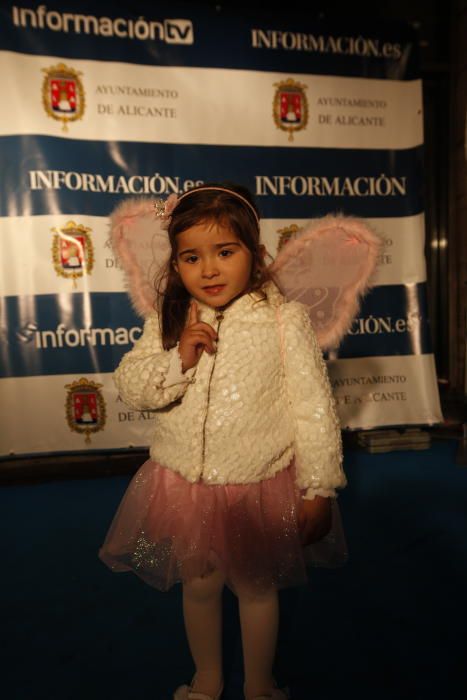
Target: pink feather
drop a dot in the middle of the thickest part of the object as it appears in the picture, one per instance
(328, 266)
(142, 247)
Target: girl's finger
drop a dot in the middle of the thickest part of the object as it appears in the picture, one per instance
(193, 317)
(205, 327)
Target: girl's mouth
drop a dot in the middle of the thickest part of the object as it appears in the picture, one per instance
(214, 289)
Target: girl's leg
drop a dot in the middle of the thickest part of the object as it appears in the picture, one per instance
(259, 620)
(202, 609)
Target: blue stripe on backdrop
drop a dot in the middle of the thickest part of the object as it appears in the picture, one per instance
(43, 175)
(393, 321)
(211, 38)
(47, 336)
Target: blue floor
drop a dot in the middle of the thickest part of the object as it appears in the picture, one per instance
(391, 624)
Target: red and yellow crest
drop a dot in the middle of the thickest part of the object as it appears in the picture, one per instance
(63, 94)
(285, 234)
(72, 251)
(290, 106)
(85, 407)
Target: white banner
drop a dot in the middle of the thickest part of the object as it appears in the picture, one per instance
(212, 106)
(30, 241)
(385, 389)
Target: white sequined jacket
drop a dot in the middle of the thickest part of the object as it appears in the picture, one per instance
(242, 414)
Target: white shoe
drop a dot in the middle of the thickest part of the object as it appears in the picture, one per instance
(184, 692)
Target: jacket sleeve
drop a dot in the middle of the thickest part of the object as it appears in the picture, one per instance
(318, 445)
(149, 377)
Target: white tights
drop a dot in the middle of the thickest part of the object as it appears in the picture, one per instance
(259, 619)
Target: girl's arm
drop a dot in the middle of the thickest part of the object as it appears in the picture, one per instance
(318, 446)
(149, 377)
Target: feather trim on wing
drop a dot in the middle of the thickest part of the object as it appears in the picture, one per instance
(328, 266)
(142, 248)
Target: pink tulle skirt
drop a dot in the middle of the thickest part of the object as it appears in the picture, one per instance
(167, 530)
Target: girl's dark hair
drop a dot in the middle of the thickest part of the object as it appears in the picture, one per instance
(206, 205)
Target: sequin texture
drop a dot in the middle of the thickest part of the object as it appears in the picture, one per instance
(243, 437)
(250, 411)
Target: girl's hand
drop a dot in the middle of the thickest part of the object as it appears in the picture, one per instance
(314, 519)
(196, 337)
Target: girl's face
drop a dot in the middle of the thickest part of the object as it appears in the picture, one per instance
(214, 265)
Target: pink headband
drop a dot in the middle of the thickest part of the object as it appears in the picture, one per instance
(222, 189)
(165, 209)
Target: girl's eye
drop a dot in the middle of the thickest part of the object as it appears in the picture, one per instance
(226, 253)
(192, 259)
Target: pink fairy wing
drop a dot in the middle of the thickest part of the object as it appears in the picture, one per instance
(327, 266)
(142, 247)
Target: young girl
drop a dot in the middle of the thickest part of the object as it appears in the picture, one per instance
(246, 454)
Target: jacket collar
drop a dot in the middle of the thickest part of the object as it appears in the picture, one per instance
(246, 301)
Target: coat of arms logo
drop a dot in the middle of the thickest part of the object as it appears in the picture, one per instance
(290, 106)
(63, 94)
(85, 407)
(72, 251)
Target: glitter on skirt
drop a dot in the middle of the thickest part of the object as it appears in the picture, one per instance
(167, 529)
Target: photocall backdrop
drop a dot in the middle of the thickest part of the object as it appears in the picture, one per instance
(102, 103)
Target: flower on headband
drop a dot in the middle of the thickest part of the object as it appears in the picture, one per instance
(164, 209)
